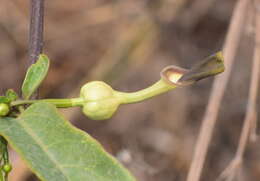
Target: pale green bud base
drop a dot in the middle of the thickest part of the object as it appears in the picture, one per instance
(4, 109)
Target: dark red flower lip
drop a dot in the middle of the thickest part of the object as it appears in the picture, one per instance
(172, 74)
(178, 76)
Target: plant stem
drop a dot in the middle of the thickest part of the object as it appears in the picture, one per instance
(219, 86)
(36, 30)
(158, 88)
(4, 158)
(60, 103)
(2, 178)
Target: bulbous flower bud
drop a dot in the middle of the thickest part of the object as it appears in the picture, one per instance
(4, 109)
(100, 101)
(7, 168)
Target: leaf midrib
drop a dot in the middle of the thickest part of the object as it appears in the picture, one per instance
(35, 137)
(57, 164)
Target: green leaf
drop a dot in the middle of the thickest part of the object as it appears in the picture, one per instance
(57, 151)
(35, 75)
(10, 96)
(3, 145)
(4, 99)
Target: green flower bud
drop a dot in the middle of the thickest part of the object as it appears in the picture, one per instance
(4, 109)
(100, 100)
(7, 168)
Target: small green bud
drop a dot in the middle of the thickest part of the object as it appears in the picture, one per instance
(100, 100)
(11, 95)
(7, 168)
(4, 109)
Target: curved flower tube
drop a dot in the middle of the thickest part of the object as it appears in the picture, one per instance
(99, 101)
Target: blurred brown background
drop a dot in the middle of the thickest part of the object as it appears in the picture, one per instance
(126, 44)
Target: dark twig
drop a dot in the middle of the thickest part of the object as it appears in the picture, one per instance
(36, 30)
(250, 119)
(219, 86)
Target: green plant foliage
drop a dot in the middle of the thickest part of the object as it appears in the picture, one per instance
(1, 176)
(3, 144)
(35, 75)
(4, 99)
(11, 95)
(57, 151)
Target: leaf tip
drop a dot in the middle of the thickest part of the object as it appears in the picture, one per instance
(35, 75)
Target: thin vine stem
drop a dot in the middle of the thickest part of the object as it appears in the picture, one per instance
(36, 30)
(219, 86)
(60, 103)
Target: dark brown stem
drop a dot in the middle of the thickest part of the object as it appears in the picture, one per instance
(36, 30)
